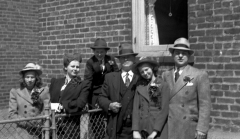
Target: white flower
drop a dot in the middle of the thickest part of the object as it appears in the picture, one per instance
(111, 62)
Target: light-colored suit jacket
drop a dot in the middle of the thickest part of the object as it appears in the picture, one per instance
(190, 103)
(21, 104)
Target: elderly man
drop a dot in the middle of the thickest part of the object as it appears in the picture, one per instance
(190, 104)
(117, 95)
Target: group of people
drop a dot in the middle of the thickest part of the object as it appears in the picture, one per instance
(137, 102)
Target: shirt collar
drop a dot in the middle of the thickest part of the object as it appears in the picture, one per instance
(67, 79)
(130, 73)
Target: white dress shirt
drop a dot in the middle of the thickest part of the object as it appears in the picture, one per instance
(130, 75)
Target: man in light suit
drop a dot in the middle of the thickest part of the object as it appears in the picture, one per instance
(117, 94)
(190, 104)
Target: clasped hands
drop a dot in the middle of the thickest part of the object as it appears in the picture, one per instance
(115, 106)
(200, 135)
(137, 135)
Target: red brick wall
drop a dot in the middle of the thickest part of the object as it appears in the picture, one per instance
(68, 26)
(214, 34)
(18, 42)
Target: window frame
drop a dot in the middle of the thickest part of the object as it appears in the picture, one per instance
(138, 34)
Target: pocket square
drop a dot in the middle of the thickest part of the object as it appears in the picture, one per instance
(189, 84)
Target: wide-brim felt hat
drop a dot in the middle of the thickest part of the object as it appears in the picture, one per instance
(31, 67)
(143, 60)
(181, 44)
(100, 44)
(125, 50)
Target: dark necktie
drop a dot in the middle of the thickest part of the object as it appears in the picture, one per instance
(127, 80)
(177, 74)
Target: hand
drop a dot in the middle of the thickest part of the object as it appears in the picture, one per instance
(136, 135)
(115, 106)
(152, 135)
(200, 135)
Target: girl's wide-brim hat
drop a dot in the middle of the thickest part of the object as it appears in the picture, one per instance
(143, 60)
(125, 50)
(181, 44)
(100, 44)
(31, 67)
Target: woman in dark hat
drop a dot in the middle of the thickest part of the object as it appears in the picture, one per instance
(150, 106)
(71, 93)
(29, 101)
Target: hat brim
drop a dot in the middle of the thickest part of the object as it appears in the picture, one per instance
(181, 48)
(39, 72)
(136, 65)
(118, 56)
(99, 47)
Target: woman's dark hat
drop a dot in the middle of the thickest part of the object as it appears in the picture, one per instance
(100, 44)
(143, 60)
(71, 57)
(125, 50)
(181, 44)
(31, 67)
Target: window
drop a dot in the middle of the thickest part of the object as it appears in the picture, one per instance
(157, 24)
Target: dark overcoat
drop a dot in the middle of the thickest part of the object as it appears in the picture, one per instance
(111, 93)
(73, 98)
(148, 117)
(190, 104)
(95, 75)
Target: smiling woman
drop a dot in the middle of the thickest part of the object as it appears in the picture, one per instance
(150, 105)
(70, 93)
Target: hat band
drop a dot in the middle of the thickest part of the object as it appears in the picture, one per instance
(126, 51)
(182, 45)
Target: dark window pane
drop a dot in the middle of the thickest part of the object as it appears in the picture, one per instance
(175, 26)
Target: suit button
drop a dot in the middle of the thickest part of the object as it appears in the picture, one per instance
(33, 111)
(184, 117)
(25, 106)
(182, 105)
(25, 112)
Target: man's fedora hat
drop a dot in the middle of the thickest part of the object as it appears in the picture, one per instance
(31, 67)
(143, 60)
(125, 50)
(100, 43)
(181, 44)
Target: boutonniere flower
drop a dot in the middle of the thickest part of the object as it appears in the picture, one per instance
(186, 79)
(111, 62)
(35, 96)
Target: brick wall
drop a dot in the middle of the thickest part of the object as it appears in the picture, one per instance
(214, 34)
(68, 26)
(18, 42)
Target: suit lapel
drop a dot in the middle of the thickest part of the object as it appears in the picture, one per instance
(116, 84)
(180, 83)
(25, 95)
(143, 91)
(170, 80)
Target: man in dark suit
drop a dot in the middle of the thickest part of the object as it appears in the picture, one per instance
(190, 102)
(117, 95)
(97, 67)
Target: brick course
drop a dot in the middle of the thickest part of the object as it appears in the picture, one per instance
(18, 42)
(214, 30)
(72, 26)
